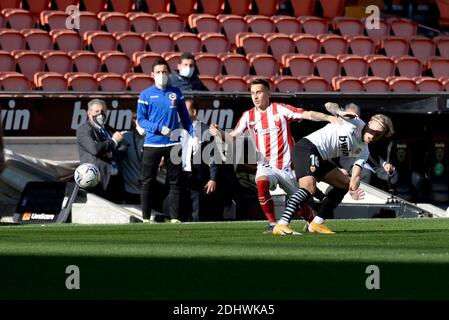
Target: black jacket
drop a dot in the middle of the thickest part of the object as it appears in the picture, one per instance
(187, 84)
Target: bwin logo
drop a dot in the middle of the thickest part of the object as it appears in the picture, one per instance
(344, 145)
(15, 119)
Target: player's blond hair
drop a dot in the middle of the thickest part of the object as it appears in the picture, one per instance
(385, 122)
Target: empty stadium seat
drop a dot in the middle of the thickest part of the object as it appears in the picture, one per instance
(184, 8)
(122, 6)
(7, 62)
(263, 64)
(332, 8)
(348, 26)
(314, 84)
(99, 41)
(36, 6)
(286, 25)
(57, 61)
(232, 83)
(422, 48)
(303, 7)
(158, 5)
(327, 66)
(10, 4)
(298, 64)
(213, 7)
(29, 62)
(13, 81)
(85, 61)
(443, 7)
(439, 66)
(95, 6)
(395, 46)
(287, 84)
(88, 21)
(403, 27)
(235, 64)
(18, 18)
(37, 39)
(428, 84)
(444, 82)
(53, 19)
(81, 81)
(114, 21)
(159, 42)
(63, 4)
(11, 39)
(129, 42)
(138, 81)
(259, 24)
(214, 42)
(249, 42)
(172, 59)
(313, 25)
(381, 66)
(115, 61)
(200, 22)
(402, 84)
(267, 7)
(361, 45)
(306, 43)
(375, 84)
(279, 44)
(408, 66)
(240, 7)
(186, 42)
(144, 60)
(210, 82)
(67, 40)
(353, 65)
(110, 81)
(378, 34)
(142, 22)
(347, 84)
(2, 21)
(442, 44)
(333, 44)
(232, 25)
(50, 81)
(169, 22)
(208, 64)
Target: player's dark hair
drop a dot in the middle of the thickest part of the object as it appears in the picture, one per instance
(260, 81)
(186, 56)
(160, 62)
(194, 103)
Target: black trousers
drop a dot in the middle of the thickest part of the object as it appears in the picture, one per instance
(150, 164)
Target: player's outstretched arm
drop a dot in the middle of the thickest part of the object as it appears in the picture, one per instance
(319, 116)
(354, 184)
(220, 134)
(334, 108)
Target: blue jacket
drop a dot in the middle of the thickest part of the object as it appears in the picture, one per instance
(157, 108)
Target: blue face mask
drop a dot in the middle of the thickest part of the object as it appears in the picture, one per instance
(186, 72)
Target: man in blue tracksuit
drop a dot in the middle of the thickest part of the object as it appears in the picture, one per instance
(157, 112)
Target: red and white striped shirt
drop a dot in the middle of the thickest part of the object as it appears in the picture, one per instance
(271, 133)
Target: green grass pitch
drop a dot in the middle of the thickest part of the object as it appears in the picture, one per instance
(226, 261)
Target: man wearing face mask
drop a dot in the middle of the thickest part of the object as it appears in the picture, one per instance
(186, 78)
(158, 108)
(99, 146)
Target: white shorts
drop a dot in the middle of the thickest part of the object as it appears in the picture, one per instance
(284, 178)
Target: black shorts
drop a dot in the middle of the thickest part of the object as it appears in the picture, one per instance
(308, 161)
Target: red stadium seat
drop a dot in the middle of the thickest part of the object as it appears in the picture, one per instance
(378, 34)
(158, 5)
(353, 65)
(232, 83)
(137, 82)
(36, 6)
(403, 27)
(129, 42)
(240, 7)
(142, 22)
(303, 7)
(408, 66)
(159, 42)
(213, 7)
(214, 42)
(375, 84)
(235, 64)
(263, 64)
(88, 22)
(232, 25)
(286, 24)
(81, 81)
(439, 66)
(210, 82)
(267, 7)
(169, 22)
(314, 84)
(200, 22)
(10, 4)
(63, 4)
(186, 42)
(50, 81)
(37, 39)
(53, 19)
(361, 45)
(328, 66)
(18, 19)
(279, 44)
(122, 6)
(144, 60)
(333, 44)
(99, 41)
(67, 40)
(314, 25)
(347, 84)
(57, 61)
(443, 7)
(85, 61)
(402, 84)
(348, 26)
(445, 83)
(442, 44)
(395, 46)
(184, 8)
(298, 64)
(13, 81)
(306, 43)
(381, 66)
(114, 21)
(208, 64)
(250, 78)
(428, 84)
(29, 62)
(95, 6)
(259, 24)
(251, 43)
(333, 8)
(110, 81)
(115, 61)
(287, 84)
(11, 40)
(172, 59)
(2, 21)
(7, 62)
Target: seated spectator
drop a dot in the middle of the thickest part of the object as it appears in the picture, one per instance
(186, 76)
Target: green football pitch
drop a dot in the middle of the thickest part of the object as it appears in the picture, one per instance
(401, 258)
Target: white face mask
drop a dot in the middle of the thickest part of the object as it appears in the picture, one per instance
(140, 130)
(186, 72)
(161, 80)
